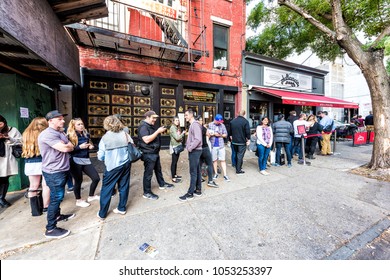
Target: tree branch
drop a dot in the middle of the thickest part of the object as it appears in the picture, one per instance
(385, 32)
(330, 33)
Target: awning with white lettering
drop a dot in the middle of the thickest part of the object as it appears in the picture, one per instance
(304, 99)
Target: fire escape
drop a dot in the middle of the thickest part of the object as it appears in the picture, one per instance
(196, 30)
(183, 38)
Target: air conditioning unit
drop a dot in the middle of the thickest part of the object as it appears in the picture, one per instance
(220, 64)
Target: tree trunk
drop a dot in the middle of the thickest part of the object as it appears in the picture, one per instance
(379, 84)
(378, 81)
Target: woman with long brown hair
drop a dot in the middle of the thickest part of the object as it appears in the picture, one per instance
(33, 166)
(80, 161)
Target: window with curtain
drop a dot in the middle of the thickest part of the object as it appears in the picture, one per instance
(221, 46)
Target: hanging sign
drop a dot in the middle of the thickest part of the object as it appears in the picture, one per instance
(285, 79)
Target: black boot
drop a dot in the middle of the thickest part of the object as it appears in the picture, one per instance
(3, 191)
(36, 206)
(4, 203)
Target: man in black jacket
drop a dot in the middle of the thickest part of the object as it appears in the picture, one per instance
(240, 135)
(149, 143)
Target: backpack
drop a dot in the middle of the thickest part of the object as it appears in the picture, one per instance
(253, 143)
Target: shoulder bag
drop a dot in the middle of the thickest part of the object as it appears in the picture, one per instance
(134, 153)
(17, 150)
(253, 143)
(178, 149)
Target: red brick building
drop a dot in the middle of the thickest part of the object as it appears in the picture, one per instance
(165, 55)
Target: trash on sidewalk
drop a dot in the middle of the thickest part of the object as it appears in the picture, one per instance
(150, 250)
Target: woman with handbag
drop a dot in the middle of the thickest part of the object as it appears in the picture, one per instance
(80, 162)
(175, 147)
(33, 166)
(113, 150)
(8, 165)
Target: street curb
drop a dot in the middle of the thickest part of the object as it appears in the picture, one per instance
(361, 240)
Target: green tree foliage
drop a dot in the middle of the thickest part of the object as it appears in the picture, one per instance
(284, 32)
(330, 28)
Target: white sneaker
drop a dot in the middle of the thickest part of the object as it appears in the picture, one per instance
(226, 178)
(92, 198)
(116, 211)
(263, 172)
(82, 203)
(100, 218)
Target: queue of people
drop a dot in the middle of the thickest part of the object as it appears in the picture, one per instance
(51, 155)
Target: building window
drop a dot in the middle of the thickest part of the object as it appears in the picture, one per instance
(221, 46)
(257, 111)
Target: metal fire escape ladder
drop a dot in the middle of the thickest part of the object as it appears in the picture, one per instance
(170, 31)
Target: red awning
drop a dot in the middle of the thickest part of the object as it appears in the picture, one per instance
(303, 99)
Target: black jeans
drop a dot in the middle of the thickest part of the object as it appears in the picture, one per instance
(279, 146)
(77, 174)
(196, 176)
(208, 160)
(240, 152)
(175, 159)
(152, 162)
(311, 144)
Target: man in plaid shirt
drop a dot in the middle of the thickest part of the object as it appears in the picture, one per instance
(217, 132)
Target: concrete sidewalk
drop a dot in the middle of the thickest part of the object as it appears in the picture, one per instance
(304, 212)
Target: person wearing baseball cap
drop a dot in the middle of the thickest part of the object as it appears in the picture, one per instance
(150, 144)
(218, 132)
(54, 114)
(55, 146)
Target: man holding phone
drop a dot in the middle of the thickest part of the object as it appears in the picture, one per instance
(150, 144)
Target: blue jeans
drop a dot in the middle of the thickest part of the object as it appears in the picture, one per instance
(290, 145)
(195, 174)
(120, 175)
(56, 183)
(234, 162)
(298, 144)
(278, 152)
(263, 156)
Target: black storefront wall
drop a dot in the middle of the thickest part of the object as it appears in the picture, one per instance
(105, 93)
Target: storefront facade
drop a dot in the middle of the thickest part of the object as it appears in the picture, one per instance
(190, 58)
(131, 96)
(276, 87)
